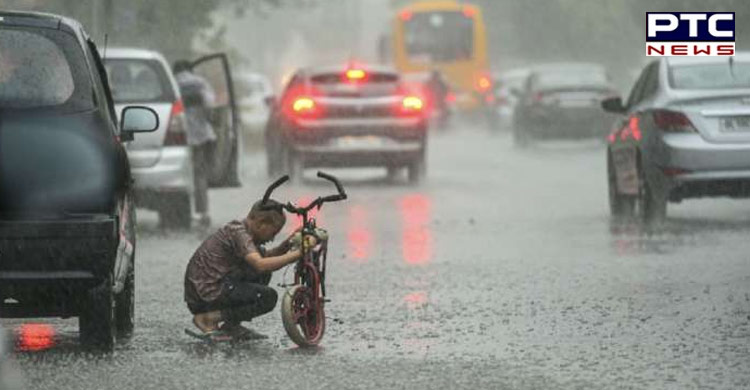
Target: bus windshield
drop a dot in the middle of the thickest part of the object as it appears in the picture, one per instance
(439, 37)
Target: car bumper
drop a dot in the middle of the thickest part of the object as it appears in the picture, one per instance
(387, 153)
(689, 167)
(173, 172)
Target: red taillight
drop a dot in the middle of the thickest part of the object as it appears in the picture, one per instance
(406, 15)
(489, 99)
(672, 122)
(35, 337)
(469, 12)
(177, 129)
(450, 97)
(633, 129)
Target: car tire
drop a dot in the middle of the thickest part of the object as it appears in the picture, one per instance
(619, 205)
(416, 170)
(97, 317)
(175, 211)
(296, 167)
(652, 205)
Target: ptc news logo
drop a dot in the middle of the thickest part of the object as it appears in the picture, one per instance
(690, 34)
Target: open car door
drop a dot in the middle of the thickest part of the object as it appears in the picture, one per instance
(225, 154)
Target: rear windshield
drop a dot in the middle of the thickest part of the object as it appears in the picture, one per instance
(42, 69)
(564, 78)
(710, 76)
(446, 36)
(375, 85)
(138, 81)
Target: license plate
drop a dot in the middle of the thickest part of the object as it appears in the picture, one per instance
(735, 124)
(359, 142)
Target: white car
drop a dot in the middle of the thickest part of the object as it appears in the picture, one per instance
(252, 91)
(160, 161)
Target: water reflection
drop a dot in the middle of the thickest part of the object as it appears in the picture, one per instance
(358, 234)
(35, 337)
(416, 238)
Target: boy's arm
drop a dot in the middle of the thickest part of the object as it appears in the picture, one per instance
(271, 263)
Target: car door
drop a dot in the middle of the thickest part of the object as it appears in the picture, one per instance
(225, 153)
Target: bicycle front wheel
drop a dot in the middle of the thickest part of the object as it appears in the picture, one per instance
(303, 316)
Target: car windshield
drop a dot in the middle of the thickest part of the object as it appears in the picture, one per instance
(138, 81)
(374, 85)
(439, 37)
(710, 76)
(37, 71)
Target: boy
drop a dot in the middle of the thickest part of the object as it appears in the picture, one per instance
(226, 281)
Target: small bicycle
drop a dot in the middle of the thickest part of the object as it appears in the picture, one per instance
(302, 306)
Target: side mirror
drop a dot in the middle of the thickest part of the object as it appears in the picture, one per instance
(613, 104)
(137, 119)
(270, 101)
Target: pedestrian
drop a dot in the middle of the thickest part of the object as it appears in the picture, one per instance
(226, 281)
(199, 98)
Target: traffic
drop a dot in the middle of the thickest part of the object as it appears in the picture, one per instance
(504, 208)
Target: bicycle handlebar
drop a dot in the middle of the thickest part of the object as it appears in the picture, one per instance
(316, 203)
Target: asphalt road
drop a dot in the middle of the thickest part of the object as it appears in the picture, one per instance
(501, 270)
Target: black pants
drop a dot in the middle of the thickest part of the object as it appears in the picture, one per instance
(241, 300)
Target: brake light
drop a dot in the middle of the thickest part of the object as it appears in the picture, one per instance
(672, 122)
(633, 129)
(177, 129)
(469, 12)
(355, 74)
(412, 104)
(406, 15)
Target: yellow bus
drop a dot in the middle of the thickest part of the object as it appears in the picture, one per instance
(446, 36)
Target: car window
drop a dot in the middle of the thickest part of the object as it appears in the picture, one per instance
(375, 84)
(637, 93)
(37, 70)
(570, 77)
(710, 76)
(138, 81)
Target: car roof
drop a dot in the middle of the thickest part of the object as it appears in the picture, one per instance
(40, 20)
(133, 53)
(672, 61)
(553, 66)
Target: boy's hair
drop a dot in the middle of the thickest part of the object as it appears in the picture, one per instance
(273, 216)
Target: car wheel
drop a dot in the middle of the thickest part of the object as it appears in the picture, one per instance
(296, 167)
(619, 205)
(416, 170)
(175, 211)
(125, 300)
(652, 205)
(97, 318)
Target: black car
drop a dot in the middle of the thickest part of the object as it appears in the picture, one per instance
(347, 116)
(67, 222)
(562, 101)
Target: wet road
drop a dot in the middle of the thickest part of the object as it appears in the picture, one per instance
(502, 270)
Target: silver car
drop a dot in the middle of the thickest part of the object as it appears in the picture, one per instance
(684, 133)
(160, 162)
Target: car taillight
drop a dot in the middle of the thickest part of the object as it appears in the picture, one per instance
(672, 122)
(177, 128)
(412, 105)
(450, 97)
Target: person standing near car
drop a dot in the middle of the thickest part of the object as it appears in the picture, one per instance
(198, 97)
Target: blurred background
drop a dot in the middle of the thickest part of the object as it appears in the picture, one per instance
(274, 37)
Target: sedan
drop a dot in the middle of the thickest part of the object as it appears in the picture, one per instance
(684, 133)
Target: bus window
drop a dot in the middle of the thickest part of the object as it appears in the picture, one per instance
(439, 37)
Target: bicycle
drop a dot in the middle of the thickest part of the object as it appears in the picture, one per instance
(302, 305)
